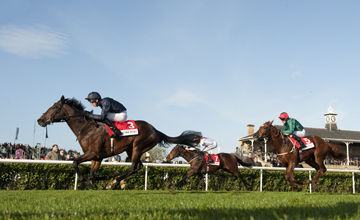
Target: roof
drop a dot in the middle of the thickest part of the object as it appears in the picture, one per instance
(337, 135)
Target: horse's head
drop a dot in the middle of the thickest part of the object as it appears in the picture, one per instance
(55, 113)
(264, 131)
(175, 152)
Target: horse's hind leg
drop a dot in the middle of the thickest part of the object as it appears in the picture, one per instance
(320, 170)
(238, 175)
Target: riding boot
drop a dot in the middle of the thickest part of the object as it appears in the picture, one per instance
(298, 139)
(115, 130)
(210, 160)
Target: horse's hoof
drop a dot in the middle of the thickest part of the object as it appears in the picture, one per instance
(298, 188)
(88, 183)
(316, 187)
(122, 184)
(109, 186)
(306, 182)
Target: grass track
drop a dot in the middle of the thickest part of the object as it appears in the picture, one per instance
(136, 204)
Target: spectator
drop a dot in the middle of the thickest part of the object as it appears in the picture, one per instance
(68, 157)
(176, 162)
(165, 161)
(147, 160)
(62, 155)
(76, 156)
(249, 159)
(257, 163)
(117, 158)
(54, 153)
(19, 153)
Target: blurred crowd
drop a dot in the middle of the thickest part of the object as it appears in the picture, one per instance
(25, 151)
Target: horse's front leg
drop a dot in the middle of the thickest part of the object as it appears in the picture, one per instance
(85, 157)
(189, 174)
(289, 176)
(201, 177)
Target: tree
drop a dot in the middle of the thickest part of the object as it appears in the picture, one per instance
(157, 153)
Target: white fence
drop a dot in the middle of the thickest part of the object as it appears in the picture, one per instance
(146, 165)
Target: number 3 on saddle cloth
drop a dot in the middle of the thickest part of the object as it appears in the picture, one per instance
(305, 140)
(215, 158)
(127, 128)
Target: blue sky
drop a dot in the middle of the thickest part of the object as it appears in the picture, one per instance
(210, 66)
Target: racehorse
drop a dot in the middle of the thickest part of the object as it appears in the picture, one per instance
(96, 142)
(289, 155)
(198, 166)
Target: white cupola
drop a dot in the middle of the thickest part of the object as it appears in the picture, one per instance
(331, 120)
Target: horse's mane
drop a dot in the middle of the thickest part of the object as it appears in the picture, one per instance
(75, 103)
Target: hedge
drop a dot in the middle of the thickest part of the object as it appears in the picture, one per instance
(62, 177)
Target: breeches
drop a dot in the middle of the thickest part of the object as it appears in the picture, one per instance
(300, 133)
(210, 147)
(118, 117)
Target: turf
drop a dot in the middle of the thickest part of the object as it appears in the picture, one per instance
(136, 204)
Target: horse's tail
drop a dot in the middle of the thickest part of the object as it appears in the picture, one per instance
(189, 138)
(335, 151)
(242, 162)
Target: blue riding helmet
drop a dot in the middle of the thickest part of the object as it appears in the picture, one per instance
(93, 96)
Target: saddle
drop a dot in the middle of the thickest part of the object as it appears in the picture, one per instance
(215, 158)
(127, 128)
(307, 142)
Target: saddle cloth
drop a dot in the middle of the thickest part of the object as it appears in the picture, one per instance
(215, 158)
(127, 128)
(308, 143)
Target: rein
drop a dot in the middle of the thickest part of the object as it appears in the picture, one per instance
(68, 116)
(194, 159)
(177, 150)
(282, 137)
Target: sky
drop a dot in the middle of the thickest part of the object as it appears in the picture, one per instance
(209, 66)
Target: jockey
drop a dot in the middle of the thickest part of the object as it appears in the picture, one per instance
(293, 128)
(111, 110)
(208, 145)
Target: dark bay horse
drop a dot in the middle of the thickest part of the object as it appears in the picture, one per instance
(289, 154)
(198, 166)
(95, 141)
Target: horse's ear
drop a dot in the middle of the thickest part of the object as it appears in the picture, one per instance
(271, 122)
(62, 99)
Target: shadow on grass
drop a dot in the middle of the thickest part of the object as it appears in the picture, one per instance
(343, 210)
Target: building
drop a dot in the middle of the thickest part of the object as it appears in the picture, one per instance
(349, 140)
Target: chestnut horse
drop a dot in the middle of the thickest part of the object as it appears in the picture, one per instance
(95, 140)
(289, 154)
(198, 166)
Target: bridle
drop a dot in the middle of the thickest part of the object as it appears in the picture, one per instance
(267, 130)
(264, 133)
(50, 120)
(67, 117)
(170, 155)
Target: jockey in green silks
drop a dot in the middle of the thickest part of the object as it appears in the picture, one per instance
(293, 128)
